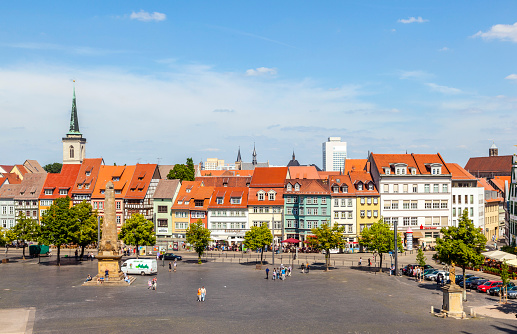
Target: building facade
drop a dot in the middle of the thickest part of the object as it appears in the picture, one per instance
(334, 154)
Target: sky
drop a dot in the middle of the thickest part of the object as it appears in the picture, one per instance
(161, 81)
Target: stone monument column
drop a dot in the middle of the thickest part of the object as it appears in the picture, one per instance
(108, 257)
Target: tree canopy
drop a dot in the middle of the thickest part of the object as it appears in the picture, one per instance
(327, 238)
(88, 230)
(58, 225)
(26, 229)
(53, 168)
(379, 238)
(257, 238)
(420, 258)
(138, 231)
(183, 172)
(461, 245)
(198, 237)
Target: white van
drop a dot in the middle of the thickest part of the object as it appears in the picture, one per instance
(140, 266)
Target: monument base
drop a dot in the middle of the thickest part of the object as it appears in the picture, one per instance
(108, 260)
(453, 301)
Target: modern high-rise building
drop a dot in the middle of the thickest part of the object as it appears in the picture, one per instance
(334, 154)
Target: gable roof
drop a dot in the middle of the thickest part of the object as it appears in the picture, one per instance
(63, 180)
(308, 187)
(253, 196)
(303, 172)
(228, 181)
(140, 182)
(269, 177)
(498, 165)
(482, 182)
(88, 174)
(459, 173)
(354, 165)
(419, 161)
(166, 188)
(499, 182)
(191, 191)
(6, 168)
(9, 191)
(33, 166)
(12, 178)
(227, 194)
(164, 170)
(107, 173)
(31, 186)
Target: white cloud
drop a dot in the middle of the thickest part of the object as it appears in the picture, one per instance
(443, 89)
(414, 75)
(443, 49)
(261, 71)
(504, 32)
(146, 16)
(512, 77)
(413, 20)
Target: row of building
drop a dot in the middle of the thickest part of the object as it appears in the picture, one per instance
(416, 191)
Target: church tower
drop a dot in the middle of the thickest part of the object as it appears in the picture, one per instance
(493, 151)
(74, 143)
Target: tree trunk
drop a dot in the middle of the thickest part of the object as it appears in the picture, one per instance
(137, 251)
(464, 284)
(327, 260)
(82, 252)
(380, 266)
(23, 254)
(262, 254)
(58, 253)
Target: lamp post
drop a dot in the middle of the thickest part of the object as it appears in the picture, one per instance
(396, 248)
(273, 233)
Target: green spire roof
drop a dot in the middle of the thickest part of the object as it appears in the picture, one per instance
(74, 120)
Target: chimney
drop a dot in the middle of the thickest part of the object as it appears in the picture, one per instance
(368, 166)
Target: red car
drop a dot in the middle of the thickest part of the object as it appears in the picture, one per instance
(487, 285)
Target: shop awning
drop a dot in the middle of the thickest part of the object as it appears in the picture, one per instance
(417, 235)
(220, 237)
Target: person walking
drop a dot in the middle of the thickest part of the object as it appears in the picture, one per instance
(274, 274)
(170, 266)
(369, 262)
(360, 261)
(175, 265)
(283, 274)
(149, 284)
(198, 294)
(203, 293)
(307, 267)
(267, 273)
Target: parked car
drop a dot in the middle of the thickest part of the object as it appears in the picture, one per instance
(471, 280)
(459, 278)
(487, 285)
(495, 291)
(432, 276)
(408, 268)
(512, 293)
(170, 256)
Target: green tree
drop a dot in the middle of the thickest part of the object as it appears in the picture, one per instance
(257, 238)
(198, 236)
(327, 238)
(53, 168)
(379, 238)
(6, 237)
(420, 258)
(87, 219)
(505, 278)
(58, 225)
(26, 229)
(183, 172)
(461, 245)
(138, 231)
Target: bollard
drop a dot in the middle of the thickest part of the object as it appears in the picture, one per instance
(432, 309)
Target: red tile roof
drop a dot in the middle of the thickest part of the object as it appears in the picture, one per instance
(12, 178)
(308, 187)
(191, 191)
(140, 182)
(107, 173)
(498, 165)
(88, 174)
(253, 196)
(459, 173)
(228, 181)
(482, 182)
(7, 168)
(60, 181)
(269, 177)
(419, 161)
(22, 169)
(227, 194)
(354, 165)
(303, 172)
(499, 182)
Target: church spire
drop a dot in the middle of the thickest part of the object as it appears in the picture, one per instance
(239, 159)
(294, 158)
(254, 162)
(74, 120)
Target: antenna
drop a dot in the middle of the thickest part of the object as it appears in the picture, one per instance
(158, 160)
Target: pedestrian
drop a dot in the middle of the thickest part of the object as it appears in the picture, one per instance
(267, 273)
(303, 268)
(149, 284)
(155, 283)
(274, 274)
(106, 274)
(170, 266)
(175, 264)
(307, 267)
(76, 254)
(369, 262)
(203, 293)
(198, 294)
(283, 274)
(360, 261)
(289, 271)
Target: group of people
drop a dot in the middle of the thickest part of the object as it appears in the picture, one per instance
(280, 273)
(173, 265)
(152, 284)
(201, 294)
(417, 272)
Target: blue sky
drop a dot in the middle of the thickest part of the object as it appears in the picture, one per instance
(162, 81)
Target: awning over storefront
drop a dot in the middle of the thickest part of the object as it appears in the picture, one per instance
(417, 234)
(499, 255)
(219, 237)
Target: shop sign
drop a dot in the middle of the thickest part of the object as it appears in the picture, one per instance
(162, 230)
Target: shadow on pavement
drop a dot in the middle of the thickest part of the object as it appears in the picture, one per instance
(65, 261)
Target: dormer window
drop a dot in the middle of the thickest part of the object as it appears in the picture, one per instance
(335, 189)
(79, 186)
(272, 195)
(413, 171)
(360, 186)
(48, 191)
(115, 178)
(387, 171)
(198, 202)
(345, 189)
(261, 196)
(88, 173)
(87, 186)
(297, 187)
(400, 171)
(436, 170)
(188, 189)
(370, 186)
(289, 187)
(220, 200)
(235, 200)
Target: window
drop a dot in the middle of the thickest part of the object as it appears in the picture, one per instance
(290, 223)
(308, 200)
(323, 211)
(414, 204)
(453, 199)
(471, 199)
(295, 211)
(387, 171)
(261, 196)
(362, 200)
(71, 152)
(445, 188)
(336, 215)
(359, 186)
(395, 205)
(459, 199)
(369, 200)
(235, 200)
(414, 221)
(375, 200)
(385, 188)
(115, 178)
(472, 212)
(297, 187)
(180, 214)
(466, 199)
(415, 188)
(345, 189)
(435, 170)
(309, 223)
(405, 221)
(350, 202)
(362, 213)
(323, 200)
(288, 211)
(375, 213)
(369, 213)
(428, 204)
(336, 202)
(370, 186)
(343, 202)
(427, 188)
(436, 204)
(443, 205)
(387, 205)
(350, 229)
(349, 214)
(48, 191)
(271, 196)
(405, 205)
(405, 188)
(454, 212)
(162, 209)
(335, 189)
(101, 205)
(387, 220)
(289, 187)
(162, 223)
(220, 200)
(395, 188)
(95, 205)
(198, 202)
(436, 188)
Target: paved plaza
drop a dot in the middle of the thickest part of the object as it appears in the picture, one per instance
(43, 298)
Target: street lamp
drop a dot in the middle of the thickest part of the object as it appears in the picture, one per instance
(273, 233)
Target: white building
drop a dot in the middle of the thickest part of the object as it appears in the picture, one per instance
(7, 212)
(466, 195)
(213, 164)
(415, 191)
(511, 230)
(334, 154)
